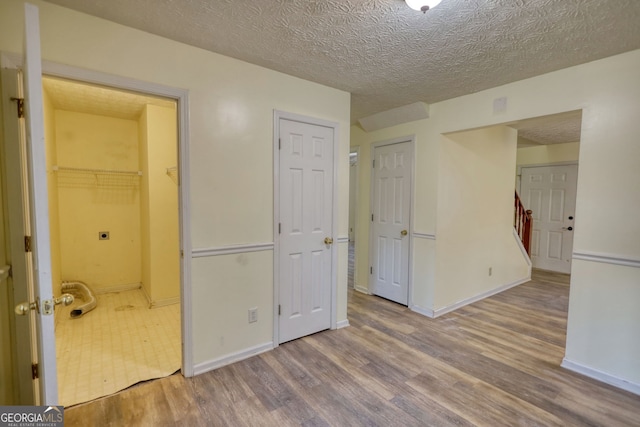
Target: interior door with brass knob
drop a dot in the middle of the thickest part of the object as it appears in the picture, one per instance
(391, 208)
(25, 157)
(305, 238)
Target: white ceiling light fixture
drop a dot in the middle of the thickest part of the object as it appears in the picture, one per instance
(422, 5)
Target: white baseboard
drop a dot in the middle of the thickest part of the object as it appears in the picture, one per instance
(421, 310)
(444, 310)
(117, 288)
(164, 302)
(362, 290)
(601, 376)
(210, 365)
(342, 324)
(159, 303)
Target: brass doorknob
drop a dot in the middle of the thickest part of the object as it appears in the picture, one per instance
(403, 232)
(328, 240)
(24, 307)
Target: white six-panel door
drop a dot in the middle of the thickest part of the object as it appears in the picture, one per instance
(39, 205)
(306, 164)
(390, 221)
(550, 192)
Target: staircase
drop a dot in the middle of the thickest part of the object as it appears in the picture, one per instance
(523, 223)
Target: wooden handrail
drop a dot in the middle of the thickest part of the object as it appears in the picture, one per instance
(523, 223)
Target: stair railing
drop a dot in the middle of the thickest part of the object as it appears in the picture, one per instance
(523, 223)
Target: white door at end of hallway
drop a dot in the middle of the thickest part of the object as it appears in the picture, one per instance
(306, 225)
(550, 192)
(392, 180)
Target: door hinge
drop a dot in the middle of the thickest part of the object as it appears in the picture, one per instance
(181, 254)
(20, 104)
(279, 227)
(34, 371)
(374, 164)
(371, 217)
(27, 243)
(279, 309)
(370, 270)
(279, 144)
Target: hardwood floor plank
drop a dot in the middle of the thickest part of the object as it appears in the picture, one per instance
(183, 407)
(428, 412)
(483, 404)
(144, 405)
(205, 391)
(492, 363)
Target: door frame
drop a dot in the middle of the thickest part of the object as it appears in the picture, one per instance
(356, 209)
(277, 115)
(181, 96)
(411, 139)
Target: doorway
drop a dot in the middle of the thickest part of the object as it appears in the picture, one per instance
(33, 344)
(113, 214)
(354, 170)
(546, 180)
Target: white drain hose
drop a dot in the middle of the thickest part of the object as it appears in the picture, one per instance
(82, 291)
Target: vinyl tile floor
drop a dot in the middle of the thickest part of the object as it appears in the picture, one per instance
(119, 343)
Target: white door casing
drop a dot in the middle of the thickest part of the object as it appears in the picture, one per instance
(392, 181)
(305, 267)
(550, 192)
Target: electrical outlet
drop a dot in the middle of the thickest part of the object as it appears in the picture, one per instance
(253, 315)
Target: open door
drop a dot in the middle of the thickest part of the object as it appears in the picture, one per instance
(39, 211)
(29, 215)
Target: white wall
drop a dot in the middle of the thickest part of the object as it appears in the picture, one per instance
(547, 154)
(231, 107)
(91, 203)
(607, 92)
(52, 189)
(475, 216)
(159, 223)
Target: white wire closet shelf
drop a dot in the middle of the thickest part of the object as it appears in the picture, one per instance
(89, 177)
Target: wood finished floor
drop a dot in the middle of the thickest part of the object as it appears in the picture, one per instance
(492, 363)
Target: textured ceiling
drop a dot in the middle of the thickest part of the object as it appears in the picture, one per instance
(554, 129)
(384, 53)
(90, 99)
